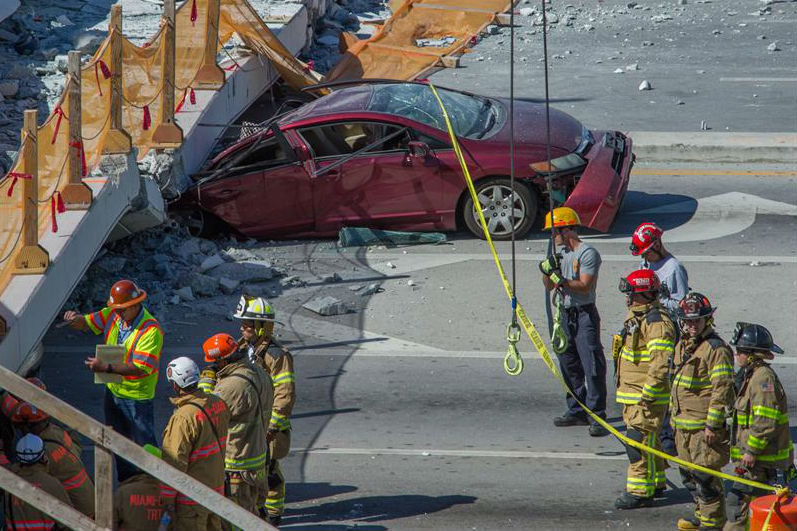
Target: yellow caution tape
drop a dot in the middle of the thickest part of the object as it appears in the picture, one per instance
(536, 339)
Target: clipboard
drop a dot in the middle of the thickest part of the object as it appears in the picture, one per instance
(113, 354)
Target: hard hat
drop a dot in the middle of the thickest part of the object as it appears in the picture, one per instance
(754, 337)
(694, 306)
(644, 237)
(640, 281)
(37, 382)
(30, 449)
(219, 347)
(125, 294)
(562, 217)
(27, 413)
(254, 308)
(183, 372)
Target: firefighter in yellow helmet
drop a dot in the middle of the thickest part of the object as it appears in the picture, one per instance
(249, 394)
(761, 443)
(257, 337)
(573, 272)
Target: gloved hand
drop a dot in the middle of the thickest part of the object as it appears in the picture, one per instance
(557, 278)
(550, 264)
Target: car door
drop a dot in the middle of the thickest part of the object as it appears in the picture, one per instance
(365, 176)
(263, 191)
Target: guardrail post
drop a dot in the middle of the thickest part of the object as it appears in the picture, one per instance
(32, 258)
(103, 486)
(168, 134)
(116, 140)
(76, 195)
(210, 75)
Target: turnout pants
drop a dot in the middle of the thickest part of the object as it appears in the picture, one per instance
(195, 518)
(583, 364)
(278, 449)
(706, 490)
(645, 471)
(740, 495)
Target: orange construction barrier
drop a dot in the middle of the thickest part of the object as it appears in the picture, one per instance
(783, 517)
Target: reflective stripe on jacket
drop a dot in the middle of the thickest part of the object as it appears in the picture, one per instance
(278, 363)
(702, 387)
(190, 444)
(643, 364)
(142, 348)
(137, 504)
(23, 517)
(248, 393)
(762, 419)
(65, 464)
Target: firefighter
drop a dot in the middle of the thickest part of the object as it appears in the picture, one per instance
(574, 274)
(643, 384)
(137, 502)
(257, 328)
(702, 391)
(761, 445)
(63, 455)
(194, 443)
(128, 405)
(248, 393)
(31, 466)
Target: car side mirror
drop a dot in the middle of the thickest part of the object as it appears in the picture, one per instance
(418, 150)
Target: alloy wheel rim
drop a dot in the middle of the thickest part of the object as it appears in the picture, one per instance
(498, 203)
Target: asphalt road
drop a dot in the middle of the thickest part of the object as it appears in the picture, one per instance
(405, 418)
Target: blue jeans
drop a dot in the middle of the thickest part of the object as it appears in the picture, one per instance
(135, 420)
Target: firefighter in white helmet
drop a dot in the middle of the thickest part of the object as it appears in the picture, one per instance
(257, 318)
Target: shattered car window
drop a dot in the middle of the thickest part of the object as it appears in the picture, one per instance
(471, 117)
(344, 138)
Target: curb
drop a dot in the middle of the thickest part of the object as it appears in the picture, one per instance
(714, 147)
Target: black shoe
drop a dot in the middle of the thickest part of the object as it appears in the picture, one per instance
(659, 492)
(629, 501)
(570, 420)
(275, 520)
(596, 430)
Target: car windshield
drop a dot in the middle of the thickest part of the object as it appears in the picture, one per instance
(471, 116)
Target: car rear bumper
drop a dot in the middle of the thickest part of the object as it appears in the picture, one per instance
(601, 188)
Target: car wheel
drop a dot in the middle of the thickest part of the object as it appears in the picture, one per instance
(199, 223)
(498, 206)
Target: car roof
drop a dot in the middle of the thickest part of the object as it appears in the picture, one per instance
(349, 99)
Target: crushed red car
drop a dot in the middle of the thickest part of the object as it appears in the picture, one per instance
(378, 155)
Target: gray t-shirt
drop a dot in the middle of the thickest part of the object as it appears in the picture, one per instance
(585, 259)
(673, 275)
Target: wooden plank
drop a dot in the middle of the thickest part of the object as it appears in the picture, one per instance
(167, 134)
(453, 8)
(210, 76)
(47, 503)
(76, 195)
(103, 486)
(117, 140)
(411, 51)
(124, 447)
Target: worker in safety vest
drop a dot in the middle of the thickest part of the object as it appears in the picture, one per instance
(248, 393)
(194, 442)
(63, 455)
(128, 405)
(257, 328)
(137, 502)
(761, 444)
(31, 466)
(573, 273)
(643, 385)
(702, 392)
(8, 404)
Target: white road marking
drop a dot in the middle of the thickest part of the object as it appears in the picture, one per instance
(758, 79)
(437, 452)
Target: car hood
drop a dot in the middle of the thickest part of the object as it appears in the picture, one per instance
(530, 126)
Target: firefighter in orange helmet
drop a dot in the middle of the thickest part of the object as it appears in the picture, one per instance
(643, 384)
(125, 321)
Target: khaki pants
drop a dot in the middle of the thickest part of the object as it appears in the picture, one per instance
(278, 449)
(195, 518)
(645, 471)
(706, 490)
(741, 495)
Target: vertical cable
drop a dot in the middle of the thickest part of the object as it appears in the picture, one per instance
(512, 151)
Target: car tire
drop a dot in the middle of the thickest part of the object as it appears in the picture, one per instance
(199, 223)
(496, 194)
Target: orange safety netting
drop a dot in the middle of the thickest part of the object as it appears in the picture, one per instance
(142, 86)
(392, 52)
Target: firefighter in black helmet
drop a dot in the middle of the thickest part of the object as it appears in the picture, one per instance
(761, 445)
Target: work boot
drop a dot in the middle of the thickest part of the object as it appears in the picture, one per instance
(690, 523)
(596, 430)
(659, 492)
(570, 420)
(275, 519)
(630, 501)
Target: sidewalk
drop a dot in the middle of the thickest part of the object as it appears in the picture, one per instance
(714, 147)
